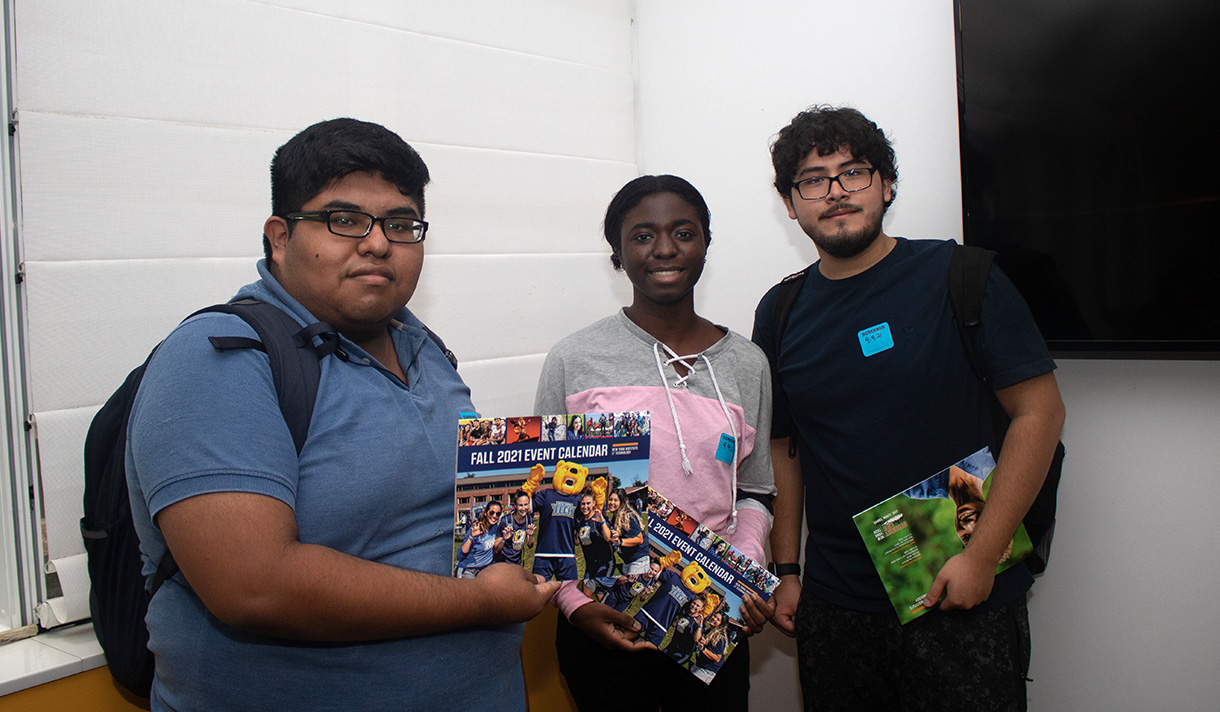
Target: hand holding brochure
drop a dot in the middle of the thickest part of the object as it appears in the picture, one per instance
(911, 535)
(688, 594)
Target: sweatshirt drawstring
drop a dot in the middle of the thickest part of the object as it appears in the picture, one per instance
(656, 352)
(689, 363)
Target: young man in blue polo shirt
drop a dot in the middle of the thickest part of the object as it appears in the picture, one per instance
(320, 580)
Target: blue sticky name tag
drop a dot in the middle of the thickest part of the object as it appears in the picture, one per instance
(467, 415)
(727, 448)
(876, 339)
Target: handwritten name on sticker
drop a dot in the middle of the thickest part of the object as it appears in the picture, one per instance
(727, 448)
(876, 339)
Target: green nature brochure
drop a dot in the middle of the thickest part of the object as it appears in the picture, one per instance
(911, 535)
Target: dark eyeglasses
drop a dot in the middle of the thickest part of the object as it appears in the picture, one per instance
(352, 223)
(852, 180)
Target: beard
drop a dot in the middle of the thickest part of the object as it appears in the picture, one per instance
(845, 244)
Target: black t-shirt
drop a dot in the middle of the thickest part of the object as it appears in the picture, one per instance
(874, 417)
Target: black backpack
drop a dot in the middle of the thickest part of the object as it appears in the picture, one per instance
(118, 600)
(968, 269)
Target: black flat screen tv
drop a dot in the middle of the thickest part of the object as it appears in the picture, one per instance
(1090, 141)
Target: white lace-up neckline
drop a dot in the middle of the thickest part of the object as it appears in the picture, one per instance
(688, 362)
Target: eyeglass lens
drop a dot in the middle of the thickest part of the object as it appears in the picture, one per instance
(852, 180)
(356, 224)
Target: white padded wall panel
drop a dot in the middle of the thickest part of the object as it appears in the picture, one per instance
(103, 188)
(116, 188)
(559, 29)
(83, 341)
(503, 386)
(230, 62)
(487, 307)
(487, 202)
(89, 323)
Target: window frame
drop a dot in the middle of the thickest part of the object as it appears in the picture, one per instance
(21, 543)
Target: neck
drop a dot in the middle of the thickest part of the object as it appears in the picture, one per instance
(675, 325)
(380, 346)
(836, 268)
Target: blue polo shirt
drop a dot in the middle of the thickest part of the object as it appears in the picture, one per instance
(374, 480)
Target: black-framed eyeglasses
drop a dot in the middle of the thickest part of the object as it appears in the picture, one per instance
(353, 223)
(852, 180)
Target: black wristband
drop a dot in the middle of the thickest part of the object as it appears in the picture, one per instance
(782, 570)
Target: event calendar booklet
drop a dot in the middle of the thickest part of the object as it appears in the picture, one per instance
(687, 599)
(911, 535)
(534, 490)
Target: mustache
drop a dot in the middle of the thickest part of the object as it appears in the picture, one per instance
(842, 206)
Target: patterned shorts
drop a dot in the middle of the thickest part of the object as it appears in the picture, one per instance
(850, 660)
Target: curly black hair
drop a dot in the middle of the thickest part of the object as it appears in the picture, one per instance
(827, 129)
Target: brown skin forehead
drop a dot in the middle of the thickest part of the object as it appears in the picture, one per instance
(824, 168)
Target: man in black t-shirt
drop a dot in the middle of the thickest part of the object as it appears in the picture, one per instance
(873, 393)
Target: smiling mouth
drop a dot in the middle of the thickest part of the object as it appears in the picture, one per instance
(665, 273)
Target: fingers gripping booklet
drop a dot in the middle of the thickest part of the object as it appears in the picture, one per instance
(911, 535)
(688, 592)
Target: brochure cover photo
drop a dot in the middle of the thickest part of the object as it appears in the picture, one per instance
(535, 490)
(687, 600)
(911, 535)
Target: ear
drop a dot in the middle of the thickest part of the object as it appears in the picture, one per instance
(276, 232)
(788, 204)
(887, 190)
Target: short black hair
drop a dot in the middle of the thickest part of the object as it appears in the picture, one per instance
(331, 150)
(827, 129)
(631, 194)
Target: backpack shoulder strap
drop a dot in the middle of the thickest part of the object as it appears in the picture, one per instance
(968, 270)
(449, 355)
(294, 352)
(785, 297)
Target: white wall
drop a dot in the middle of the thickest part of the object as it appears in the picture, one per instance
(1126, 618)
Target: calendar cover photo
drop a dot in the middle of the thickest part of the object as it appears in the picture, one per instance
(537, 490)
(911, 535)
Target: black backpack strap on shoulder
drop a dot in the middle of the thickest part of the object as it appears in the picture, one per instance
(295, 370)
(440, 344)
(785, 297)
(968, 270)
(294, 352)
(118, 597)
